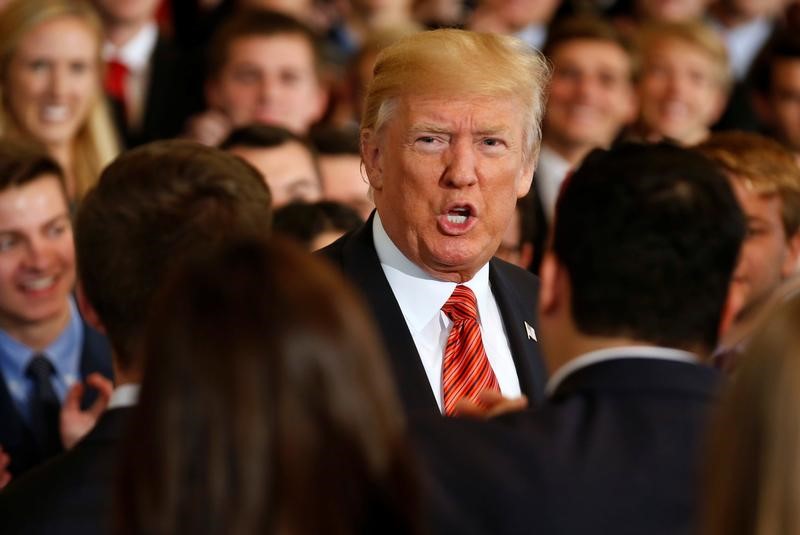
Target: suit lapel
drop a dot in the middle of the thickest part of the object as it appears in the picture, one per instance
(361, 264)
(517, 311)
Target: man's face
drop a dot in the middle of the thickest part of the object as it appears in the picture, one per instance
(784, 101)
(288, 170)
(37, 258)
(591, 95)
(446, 173)
(679, 94)
(767, 256)
(269, 80)
(127, 11)
(343, 182)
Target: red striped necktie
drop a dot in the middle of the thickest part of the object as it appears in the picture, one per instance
(465, 369)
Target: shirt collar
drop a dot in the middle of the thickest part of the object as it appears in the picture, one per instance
(419, 294)
(64, 352)
(135, 54)
(614, 353)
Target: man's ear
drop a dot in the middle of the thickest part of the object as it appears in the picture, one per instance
(734, 302)
(372, 158)
(790, 263)
(525, 179)
(88, 312)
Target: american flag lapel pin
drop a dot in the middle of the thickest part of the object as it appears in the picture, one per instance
(531, 332)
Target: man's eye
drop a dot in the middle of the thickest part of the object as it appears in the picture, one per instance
(38, 65)
(7, 242)
(57, 230)
(426, 139)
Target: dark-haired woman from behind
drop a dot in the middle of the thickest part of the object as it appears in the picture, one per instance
(266, 407)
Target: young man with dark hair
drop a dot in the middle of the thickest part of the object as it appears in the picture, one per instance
(46, 350)
(775, 80)
(287, 162)
(263, 67)
(152, 207)
(633, 295)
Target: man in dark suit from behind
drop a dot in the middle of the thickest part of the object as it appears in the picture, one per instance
(633, 296)
(152, 206)
(449, 138)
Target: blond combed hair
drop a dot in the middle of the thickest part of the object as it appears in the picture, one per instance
(753, 479)
(95, 143)
(694, 33)
(763, 165)
(457, 63)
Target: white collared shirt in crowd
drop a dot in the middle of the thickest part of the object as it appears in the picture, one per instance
(135, 54)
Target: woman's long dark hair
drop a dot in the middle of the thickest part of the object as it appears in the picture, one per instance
(266, 406)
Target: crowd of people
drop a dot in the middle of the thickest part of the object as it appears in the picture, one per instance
(406, 266)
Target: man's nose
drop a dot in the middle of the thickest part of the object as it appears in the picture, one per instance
(36, 254)
(462, 160)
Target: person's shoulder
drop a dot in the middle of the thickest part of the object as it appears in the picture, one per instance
(335, 251)
(521, 279)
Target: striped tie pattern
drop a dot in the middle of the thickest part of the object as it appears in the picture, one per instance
(465, 370)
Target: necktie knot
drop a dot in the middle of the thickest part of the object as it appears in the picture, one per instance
(461, 305)
(40, 369)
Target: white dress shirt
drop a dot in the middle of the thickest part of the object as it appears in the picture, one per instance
(135, 54)
(744, 42)
(616, 353)
(551, 171)
(421, 298)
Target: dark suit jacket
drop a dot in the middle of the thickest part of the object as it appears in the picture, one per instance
(173, 93)
(515, 290)
(72, 493)
(15, 435)
(616, 450)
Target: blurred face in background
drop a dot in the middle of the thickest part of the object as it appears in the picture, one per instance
(343, 182)
(591, 95)
(768, 255)
(37, 258)
(288, 170)
(270, 80)
(783, 103)
(52, 80)
(680, 96)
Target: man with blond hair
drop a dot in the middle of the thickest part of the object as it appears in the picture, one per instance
(450, 138)
(684, 83)
(766, 180)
